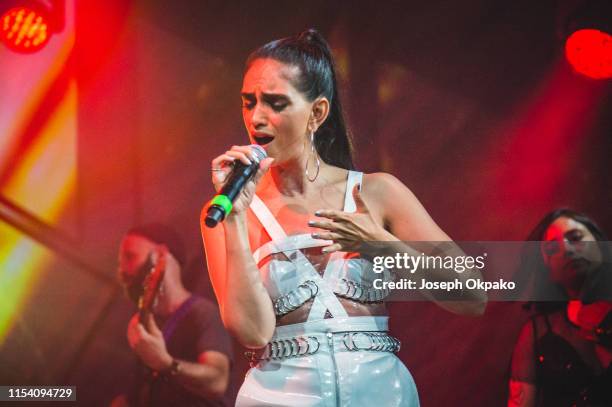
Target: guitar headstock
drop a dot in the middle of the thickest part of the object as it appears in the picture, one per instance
(152, 284)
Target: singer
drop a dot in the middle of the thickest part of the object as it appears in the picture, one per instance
(281, 261)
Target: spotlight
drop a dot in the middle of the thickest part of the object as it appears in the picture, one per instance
(26, 26)
(588, 39)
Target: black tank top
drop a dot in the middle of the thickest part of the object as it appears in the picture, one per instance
(563, 378)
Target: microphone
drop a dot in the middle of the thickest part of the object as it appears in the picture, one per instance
(221, 205)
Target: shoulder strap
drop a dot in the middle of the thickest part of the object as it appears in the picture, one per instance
(354, 177)
(536, 357)
(267, 220)
(177, 316)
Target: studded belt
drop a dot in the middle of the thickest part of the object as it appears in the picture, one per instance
(345, 288)
(306, 345)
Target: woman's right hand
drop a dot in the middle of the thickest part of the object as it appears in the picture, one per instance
(222, 166)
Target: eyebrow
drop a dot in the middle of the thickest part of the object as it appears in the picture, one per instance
(265, 95)
(574, 229)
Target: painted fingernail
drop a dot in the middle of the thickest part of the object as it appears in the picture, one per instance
(315, 235)
(324, 250)
(311, 223)
(318, 212)
(359, 187)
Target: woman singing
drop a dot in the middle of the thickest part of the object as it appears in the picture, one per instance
(286, 265)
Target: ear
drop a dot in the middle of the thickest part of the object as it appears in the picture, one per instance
(320, 111)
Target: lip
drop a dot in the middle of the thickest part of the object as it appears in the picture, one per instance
(577, 264)
(262, 138)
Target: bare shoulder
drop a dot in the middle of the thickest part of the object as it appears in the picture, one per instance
(403, 214)
(387, 190)
(382, 183)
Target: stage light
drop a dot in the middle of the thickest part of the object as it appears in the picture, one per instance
(26, 26)
(589, 52)
(24, 30)
(588, 39)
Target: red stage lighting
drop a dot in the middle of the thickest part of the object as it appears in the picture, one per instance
(24, 29)
(588, 38)
(589, 51)
(27, 25)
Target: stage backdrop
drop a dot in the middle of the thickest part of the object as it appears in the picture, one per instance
(471, 104)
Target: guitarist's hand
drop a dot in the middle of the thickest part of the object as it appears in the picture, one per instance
(148, 343)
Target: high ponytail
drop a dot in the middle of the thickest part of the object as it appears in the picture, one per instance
(311, 54)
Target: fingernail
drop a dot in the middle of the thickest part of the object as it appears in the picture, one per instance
(315, 235)
(324, 250)
(318, 212)
(310, 222)
(359, 187)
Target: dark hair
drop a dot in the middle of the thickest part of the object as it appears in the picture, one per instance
(317, 77)
(532, 261)
(162, 234)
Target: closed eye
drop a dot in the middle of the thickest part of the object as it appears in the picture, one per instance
(276, 102)
(574, 236)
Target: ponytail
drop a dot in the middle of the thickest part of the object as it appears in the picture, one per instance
(311, 54)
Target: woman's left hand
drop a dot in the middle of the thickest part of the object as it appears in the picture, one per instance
(349, 231)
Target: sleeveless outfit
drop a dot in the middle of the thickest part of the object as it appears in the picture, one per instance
(562, 376)
(332, 359)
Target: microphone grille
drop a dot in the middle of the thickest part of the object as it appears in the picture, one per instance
(258, 151)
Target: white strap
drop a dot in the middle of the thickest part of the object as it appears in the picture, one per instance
(354, 177)
(336, 260)
(325, 299)
(330, 277)
(303, 241)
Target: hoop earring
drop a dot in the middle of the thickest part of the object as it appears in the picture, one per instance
(315, 156)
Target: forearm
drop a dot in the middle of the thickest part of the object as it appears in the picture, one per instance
(200, 379)
(521, 394)
(247, 309)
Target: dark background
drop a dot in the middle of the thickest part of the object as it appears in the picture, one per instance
(471, 104)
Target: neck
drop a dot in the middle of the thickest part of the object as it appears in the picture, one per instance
(290, 179)
(171, 299)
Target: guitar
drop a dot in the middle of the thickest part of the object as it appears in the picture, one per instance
(151, 286)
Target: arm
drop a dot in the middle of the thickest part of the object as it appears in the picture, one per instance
(245, 306)
(408, 221)
(522, 388)
(522, 394)
(208, 377)
(397, 217)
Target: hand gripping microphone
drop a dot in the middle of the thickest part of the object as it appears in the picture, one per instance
(221, 205)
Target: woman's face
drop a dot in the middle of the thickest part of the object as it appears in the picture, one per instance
(275, 113)
(569, 254)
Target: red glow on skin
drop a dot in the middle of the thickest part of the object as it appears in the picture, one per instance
(589, 52)
(24, 30)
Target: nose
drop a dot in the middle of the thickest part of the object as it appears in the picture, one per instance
(259, 117)
(568, 249)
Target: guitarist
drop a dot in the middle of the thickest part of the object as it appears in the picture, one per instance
(179, 338)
